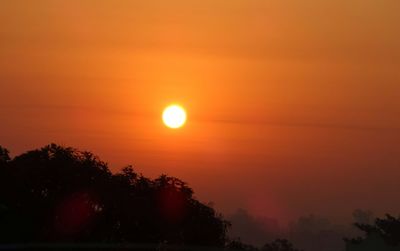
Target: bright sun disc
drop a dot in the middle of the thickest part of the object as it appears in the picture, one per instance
(174, 116)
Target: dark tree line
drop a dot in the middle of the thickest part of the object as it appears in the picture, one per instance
(59, 194)
(384, 234)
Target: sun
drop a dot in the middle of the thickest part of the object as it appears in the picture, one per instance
(174, 116)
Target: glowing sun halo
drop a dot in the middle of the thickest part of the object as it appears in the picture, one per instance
(174, 116)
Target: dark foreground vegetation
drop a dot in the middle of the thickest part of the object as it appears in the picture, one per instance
(60, 198)
(61, 195)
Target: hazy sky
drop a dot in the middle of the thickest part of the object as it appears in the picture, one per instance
(293, 106)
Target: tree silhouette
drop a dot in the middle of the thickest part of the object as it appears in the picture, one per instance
(384, 233)
(59, 194)
(4, 155)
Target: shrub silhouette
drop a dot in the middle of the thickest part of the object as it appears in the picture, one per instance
(59, 194)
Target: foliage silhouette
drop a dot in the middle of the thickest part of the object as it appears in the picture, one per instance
(59, 194)
(4, 155)
(385, 231)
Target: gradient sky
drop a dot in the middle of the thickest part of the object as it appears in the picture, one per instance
(293, 106)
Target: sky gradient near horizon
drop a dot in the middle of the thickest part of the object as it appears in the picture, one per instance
(293, 106)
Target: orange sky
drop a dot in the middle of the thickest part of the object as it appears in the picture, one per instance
(293, 106)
